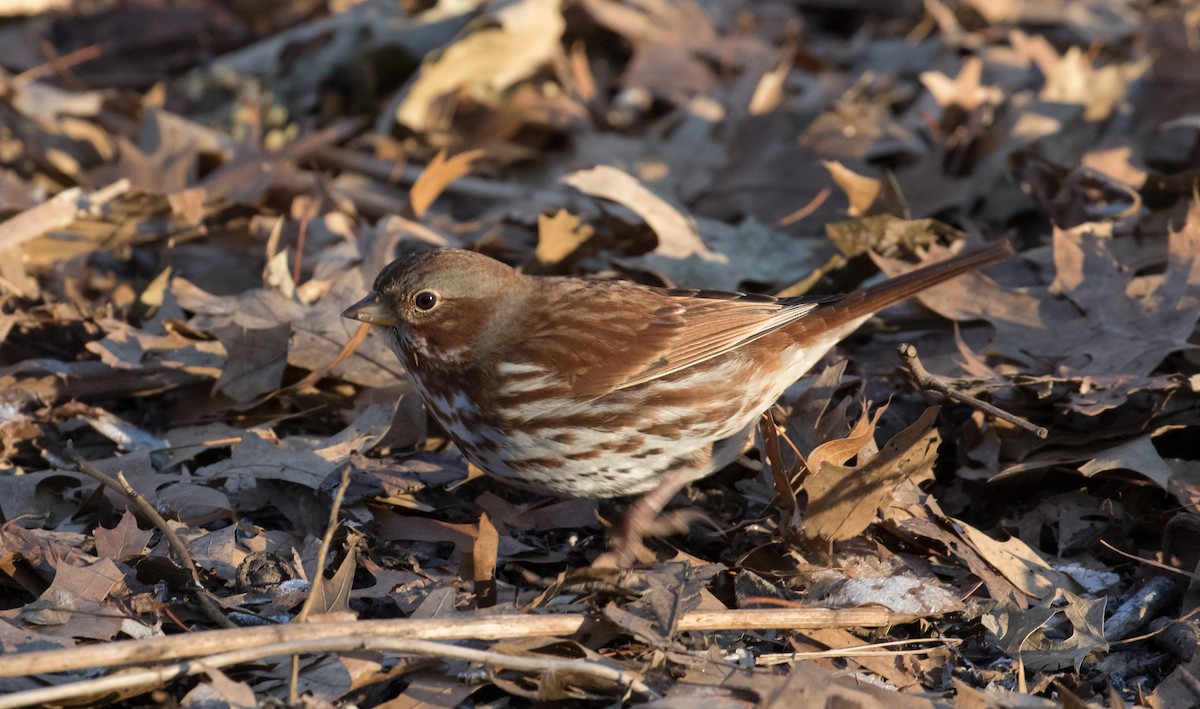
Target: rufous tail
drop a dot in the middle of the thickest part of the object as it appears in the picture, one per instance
(863, 303)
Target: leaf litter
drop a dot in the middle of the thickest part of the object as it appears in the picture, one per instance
(178, 238)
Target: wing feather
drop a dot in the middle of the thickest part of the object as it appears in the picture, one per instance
(603, 336)
(652, 333)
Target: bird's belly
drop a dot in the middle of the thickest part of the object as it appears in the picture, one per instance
(582, 451)
(622, 443)
(580, 462)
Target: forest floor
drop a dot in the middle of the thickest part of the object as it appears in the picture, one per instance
(210, 479)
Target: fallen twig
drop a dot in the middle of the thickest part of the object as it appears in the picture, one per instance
(1140, 607)
(925, 380)
(491, 627)
(149, 679)
(319, 574)
(318, 579)
(122, 486)
(783, 484)
(813, 205)
(1150, 562)
(58, 65)
(873, 650)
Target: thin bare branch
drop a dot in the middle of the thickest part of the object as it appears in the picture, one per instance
(925, 380)
(147, 510)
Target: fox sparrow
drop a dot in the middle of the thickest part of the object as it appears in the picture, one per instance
(592, 388)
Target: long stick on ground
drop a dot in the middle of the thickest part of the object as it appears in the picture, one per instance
(492, 627)
(156, 677)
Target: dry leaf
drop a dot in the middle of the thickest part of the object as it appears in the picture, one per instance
(677, 237)
(842, 501)
(559, 236)
(747, 253)
(122, 541)
(332, 595)
(255, 361)
(525, 35)
(1022, 634)
(1138, 455)
(483, 557)
(840, 450)
(438, 175)
(862, 191)
(1022, 565)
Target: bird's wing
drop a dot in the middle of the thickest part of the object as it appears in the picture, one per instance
(606, 336)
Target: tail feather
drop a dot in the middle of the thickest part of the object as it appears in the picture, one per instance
(861, 304)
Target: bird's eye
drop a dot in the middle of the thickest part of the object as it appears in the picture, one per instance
(425, 300)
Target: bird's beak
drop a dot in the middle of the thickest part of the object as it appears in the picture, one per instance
(372, 311)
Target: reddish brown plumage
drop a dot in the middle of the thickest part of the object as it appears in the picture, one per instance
(598, 388)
